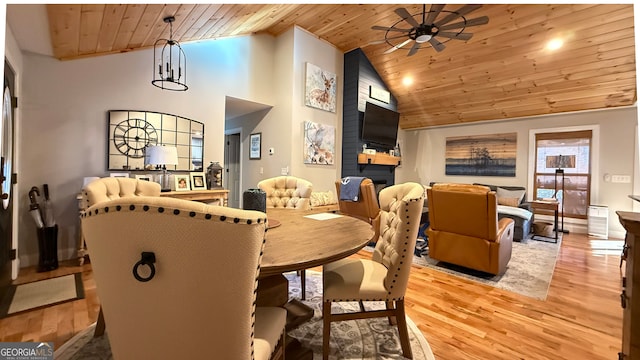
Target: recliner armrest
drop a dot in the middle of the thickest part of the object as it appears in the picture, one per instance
(505, 230)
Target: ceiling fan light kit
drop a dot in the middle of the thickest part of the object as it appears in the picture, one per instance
(169, 62)
(431, 27)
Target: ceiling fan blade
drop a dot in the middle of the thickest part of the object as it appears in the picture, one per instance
(404, 14)
(471, 22)
(437, 45)
(433, 13)
(457, 36)
(378, 42)
(414, 49)
(376, 27)
(394, 48)
(456, 14)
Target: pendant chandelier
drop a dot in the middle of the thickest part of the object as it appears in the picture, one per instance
(169, 62)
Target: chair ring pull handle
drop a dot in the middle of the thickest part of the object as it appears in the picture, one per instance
(146, 258)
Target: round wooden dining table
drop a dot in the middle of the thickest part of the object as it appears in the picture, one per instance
(301, 242)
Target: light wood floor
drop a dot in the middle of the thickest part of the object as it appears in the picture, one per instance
(580, 319)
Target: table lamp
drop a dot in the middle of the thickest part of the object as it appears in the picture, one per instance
(161, 156)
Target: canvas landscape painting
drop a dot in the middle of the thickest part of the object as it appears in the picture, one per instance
(482, 155)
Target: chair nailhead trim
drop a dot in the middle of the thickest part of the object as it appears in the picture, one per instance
(223, 218)
(207, 216)
(236, 220)
(118, 208)
(145, 208)
(132, 207)
(192, 213)
(176, 212)
(106, 209)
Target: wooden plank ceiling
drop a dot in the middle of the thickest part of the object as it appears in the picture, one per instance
(503, 71)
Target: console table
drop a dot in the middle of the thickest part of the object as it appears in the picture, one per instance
(214, 195)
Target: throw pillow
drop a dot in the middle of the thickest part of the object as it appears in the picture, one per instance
(504, 193)
(320, 198)
(509, 201)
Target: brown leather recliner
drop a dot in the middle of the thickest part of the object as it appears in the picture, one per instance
(464, 228)
(366, 208)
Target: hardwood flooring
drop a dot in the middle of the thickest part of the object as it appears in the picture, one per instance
(580, 319)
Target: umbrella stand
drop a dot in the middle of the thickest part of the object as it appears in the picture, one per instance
(47, 235)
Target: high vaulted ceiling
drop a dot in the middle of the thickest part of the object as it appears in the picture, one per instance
(503, 71)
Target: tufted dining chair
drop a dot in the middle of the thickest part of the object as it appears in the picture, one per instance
(287, 192)
(177, 279)
(385, 276)
(110, 188)
(366, 208)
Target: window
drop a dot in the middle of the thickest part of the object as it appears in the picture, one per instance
(563, 170)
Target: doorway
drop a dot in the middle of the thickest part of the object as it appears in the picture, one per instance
(232, 171)
(7, 253)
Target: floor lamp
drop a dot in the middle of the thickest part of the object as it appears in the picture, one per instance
(561, 162)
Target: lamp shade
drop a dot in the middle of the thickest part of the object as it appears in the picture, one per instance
(162, 155)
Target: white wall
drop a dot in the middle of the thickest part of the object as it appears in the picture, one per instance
(64, 108)
(64, 123)
(423, 156)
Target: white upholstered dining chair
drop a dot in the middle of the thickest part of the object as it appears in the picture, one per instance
(177, 279)
(289, 192)
(385, 276)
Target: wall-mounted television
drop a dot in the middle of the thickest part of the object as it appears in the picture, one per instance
(380, 125)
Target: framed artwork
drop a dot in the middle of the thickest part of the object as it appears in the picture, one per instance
(182, 182)
(482, 155)
(255, 146)
(198, 181)
(320, 89)
(119, 174)
(319, 143)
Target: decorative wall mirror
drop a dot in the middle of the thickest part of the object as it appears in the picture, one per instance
(131, 131)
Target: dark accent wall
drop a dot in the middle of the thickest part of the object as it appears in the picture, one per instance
(359, 75)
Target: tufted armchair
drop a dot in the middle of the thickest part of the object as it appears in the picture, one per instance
(366, 208)
(464, 228)
(385, 276)
(287, 192)
(110, 188)
(181, 273)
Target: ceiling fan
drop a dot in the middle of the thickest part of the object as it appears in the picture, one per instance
(430, 29)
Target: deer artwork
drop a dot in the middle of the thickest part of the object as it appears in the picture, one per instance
(316, 152)
(321, 96)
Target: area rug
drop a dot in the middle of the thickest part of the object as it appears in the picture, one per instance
(359, 339)
(41, 293)
(528, 273)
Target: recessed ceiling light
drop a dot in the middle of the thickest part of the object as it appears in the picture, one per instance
(555, 44)
(407, 81)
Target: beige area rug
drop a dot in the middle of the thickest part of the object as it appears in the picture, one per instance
(42, 293)
(360, 339)
(529, 271)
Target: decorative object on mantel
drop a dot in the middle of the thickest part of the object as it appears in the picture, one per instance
(319, 143)
(161, 156)
(320, 91)
(170, 62)
(481, 155)
(430, 27)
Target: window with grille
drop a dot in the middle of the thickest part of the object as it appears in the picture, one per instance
(564, 157)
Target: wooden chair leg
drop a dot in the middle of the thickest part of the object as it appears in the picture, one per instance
(361, 305)
(100, 325)
(326, 328)
(392, 320)
(402, 330)
(303, 286)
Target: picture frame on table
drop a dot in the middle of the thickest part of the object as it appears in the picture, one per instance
(198, 181)
(145, 177)
(182, 182)
(255, 146)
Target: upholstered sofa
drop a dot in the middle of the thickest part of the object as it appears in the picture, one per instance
(513, 204)
(464, 228)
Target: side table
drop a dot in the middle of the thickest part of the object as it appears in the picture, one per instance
(553, 205)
